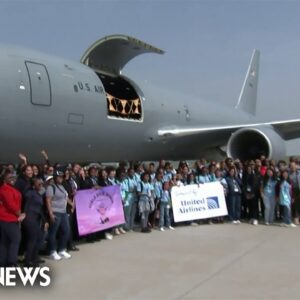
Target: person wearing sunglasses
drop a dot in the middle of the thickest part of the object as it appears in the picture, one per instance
(56, 201)
(10, 216)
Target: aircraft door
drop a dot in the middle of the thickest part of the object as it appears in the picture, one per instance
(40, 89)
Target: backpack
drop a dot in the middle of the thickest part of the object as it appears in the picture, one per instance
(151, 199)
(54, 186)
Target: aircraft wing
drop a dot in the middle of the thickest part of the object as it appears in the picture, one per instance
(287, 129)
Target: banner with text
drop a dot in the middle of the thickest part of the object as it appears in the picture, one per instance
(192, 202)
(99, 209)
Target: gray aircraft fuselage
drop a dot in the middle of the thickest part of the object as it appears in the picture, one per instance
(61, 106)
(74, 126)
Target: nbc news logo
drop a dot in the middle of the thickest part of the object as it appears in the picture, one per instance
(13, 276)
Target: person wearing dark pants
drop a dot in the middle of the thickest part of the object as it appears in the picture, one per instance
(235, 208)
(249, 193)
(259, 199)
(34, 223)
(72, 224)
(10, 216)
(10, 238)
(294, 176)
(56, 201)
(34, 240)
(70, 186)
(60, 224)
(234, 196)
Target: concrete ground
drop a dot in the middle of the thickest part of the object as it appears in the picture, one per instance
(203, 262)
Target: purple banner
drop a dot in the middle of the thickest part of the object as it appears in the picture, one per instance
(99, 209)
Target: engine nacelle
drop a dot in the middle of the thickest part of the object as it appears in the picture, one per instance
(251, 143)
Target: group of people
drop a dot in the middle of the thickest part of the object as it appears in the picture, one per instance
(37, 205)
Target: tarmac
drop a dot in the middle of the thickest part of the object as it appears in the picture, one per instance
(220, 261)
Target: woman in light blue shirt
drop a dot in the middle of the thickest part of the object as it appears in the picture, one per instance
(164, 209)
(111, 177)
(203, 176)
(145, 191)
(211, 175)
(285, 198)
(268, 194)
(130, 187)
(191, 179)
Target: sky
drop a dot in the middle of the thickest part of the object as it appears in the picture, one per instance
(208, 44)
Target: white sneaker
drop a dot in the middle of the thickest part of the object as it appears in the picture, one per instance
(108, 236)
(121, 229)
(234, 222)
(238, 222)
(255, 222)
(293, 225)
(267, 223)
(54, 255)
(172, 228)
(161, 229)
(65, 254)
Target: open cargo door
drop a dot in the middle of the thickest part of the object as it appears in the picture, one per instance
(110, 54)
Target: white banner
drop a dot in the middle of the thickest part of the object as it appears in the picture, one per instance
(192, 202)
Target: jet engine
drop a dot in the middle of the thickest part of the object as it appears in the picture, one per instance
(252, 142)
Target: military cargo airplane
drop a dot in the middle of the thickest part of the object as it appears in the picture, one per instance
(90, 111)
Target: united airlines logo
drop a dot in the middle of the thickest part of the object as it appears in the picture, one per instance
(213, 202)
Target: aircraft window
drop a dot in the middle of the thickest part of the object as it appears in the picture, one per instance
(123, 102)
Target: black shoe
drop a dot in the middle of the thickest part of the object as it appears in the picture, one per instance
(21, 260)
(89, 240)
(13, 266)
(73, 248)
(146, 230)
(31, 264)
(40, 261)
